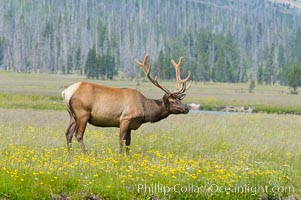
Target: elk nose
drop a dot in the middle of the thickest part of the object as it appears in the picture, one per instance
(186, 109)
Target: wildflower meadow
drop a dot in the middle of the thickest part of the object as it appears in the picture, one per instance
(216, 157)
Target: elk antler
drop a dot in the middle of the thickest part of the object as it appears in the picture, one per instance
(181, 86)
(147, 73)
(181, 82)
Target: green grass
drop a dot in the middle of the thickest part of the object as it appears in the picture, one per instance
(14, 101)
(227, 151)
(213, 104)
(43, 91)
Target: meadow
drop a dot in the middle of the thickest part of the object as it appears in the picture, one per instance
(194, 156)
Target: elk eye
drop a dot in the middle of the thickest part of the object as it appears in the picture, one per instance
(171, 101)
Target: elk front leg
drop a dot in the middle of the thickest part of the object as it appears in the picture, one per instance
(125, 136)
(128, 142)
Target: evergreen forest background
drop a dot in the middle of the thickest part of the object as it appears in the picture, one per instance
(220, 40)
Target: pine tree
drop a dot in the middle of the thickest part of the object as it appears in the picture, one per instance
(91, 70)
(232, 54)
(1, 50)
(260, 74)
(294, 77)
(202, 71)
(296, 46)
(162, 69)
(202, 66)
(219, 72)
(282, 75)
(78, 67)
(109, 66)
(270, 70)
(69, 63)
(99, 68)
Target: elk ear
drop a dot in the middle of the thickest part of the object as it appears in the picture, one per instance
(165, 98)
(179, 96)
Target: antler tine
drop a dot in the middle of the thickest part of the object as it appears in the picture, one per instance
(183, 88)
(142, 65)
(177, 69)
(178, 76)
(189, 84)
(147, 73)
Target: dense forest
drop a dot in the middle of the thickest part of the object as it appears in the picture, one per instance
(220, 40)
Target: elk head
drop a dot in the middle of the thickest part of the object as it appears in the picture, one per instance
(172, 99)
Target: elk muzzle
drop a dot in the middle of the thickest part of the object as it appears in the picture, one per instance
(186, 109)
(179, 108)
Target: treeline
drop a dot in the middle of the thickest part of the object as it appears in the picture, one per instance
(225, 41)
(100, 66)
(219, 58)
(210, 57)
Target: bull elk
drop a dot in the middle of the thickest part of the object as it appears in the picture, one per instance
(126, 108)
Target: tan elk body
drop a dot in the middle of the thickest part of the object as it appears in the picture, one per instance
(126, 108)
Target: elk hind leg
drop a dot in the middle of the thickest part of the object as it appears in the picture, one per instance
(80, 130)
(69, 134)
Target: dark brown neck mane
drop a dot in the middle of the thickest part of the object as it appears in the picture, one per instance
(155, 110)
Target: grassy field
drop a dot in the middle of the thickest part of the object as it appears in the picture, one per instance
(194, 156)
(42, 91)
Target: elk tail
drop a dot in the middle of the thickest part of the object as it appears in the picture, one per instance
(67, 94)
(66, 98)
